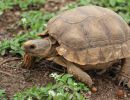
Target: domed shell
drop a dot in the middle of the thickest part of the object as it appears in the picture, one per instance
(90, 35)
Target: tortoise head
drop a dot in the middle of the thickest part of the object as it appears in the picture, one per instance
(38, 47)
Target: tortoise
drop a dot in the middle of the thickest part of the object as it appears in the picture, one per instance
(84, 38)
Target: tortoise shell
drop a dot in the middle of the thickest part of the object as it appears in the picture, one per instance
(90, 35)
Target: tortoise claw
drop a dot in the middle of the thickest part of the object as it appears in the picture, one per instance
(123, 80)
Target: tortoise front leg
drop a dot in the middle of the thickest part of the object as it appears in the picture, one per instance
(79, 74)
(74, 70)
(124, 75)
(27, 61)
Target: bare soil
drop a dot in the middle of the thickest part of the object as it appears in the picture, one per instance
(15, 79)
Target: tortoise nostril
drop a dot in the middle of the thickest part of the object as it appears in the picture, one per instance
(32, 46)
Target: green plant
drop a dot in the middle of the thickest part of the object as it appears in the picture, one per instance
(5, 4)
(64, 88)
(2, 95)
(35, 20)
(13, 46)
(122, 7)
(32, 21)
(23, 4)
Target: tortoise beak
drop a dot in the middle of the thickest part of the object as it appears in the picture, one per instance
(28, 46)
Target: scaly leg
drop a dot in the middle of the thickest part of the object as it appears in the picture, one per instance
(59, 60)
(124, 76)
(74, 70)
(79, 74)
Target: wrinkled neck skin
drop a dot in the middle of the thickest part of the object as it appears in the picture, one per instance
(52, 53)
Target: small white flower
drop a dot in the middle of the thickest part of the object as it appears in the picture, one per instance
(1, 12)
(59, 94)
(45, 25)
(51, 92)
(54, 75)
(24, 20)
(75, 84)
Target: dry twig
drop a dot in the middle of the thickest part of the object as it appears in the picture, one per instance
(9, 60)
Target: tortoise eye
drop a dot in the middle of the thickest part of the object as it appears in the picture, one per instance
(32, 46)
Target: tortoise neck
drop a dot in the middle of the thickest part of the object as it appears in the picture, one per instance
(53, 51)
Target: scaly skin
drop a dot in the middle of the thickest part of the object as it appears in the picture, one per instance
(79, 74)
(124, 75)
(75, 70)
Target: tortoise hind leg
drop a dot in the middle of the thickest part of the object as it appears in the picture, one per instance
(79, 74)
(124, 75)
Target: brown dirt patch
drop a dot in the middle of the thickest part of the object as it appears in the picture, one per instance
(9, 24)
(15, 79)
(107, 89)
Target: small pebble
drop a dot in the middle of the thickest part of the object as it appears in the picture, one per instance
(94, 89)
(128, 94)
(120, 93)
(17, 13)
